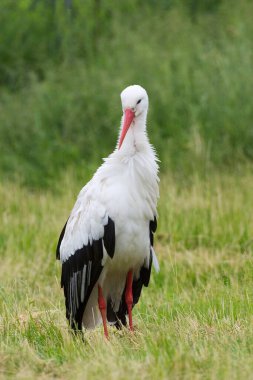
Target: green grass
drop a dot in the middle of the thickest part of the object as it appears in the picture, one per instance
(195, 321)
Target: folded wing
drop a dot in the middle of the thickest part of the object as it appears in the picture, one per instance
(84, 243)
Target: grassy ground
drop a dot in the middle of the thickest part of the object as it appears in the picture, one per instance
(195, 321)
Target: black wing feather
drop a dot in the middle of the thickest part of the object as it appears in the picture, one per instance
(81, 271)
(109, 237)
(59, 241)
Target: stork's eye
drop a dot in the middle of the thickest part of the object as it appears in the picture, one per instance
(138, 101)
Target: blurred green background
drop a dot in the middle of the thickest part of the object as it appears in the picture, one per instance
(63, 65)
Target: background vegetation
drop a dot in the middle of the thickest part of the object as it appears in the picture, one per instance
(63, 64)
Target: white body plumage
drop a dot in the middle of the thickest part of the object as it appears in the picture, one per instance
(125, 189)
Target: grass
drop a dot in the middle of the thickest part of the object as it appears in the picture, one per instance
(195, 321)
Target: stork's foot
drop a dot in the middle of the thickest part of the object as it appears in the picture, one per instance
(102, 308)
(129, 298)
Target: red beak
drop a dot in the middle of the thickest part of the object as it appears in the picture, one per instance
(129, 116)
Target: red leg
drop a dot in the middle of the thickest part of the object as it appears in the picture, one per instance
(129, 297)
(102, 308)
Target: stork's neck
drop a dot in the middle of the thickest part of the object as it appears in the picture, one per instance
(136, 138)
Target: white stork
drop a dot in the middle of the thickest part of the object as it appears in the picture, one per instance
(106, 245)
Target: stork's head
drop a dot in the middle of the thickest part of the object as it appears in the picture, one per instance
(134, 101)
